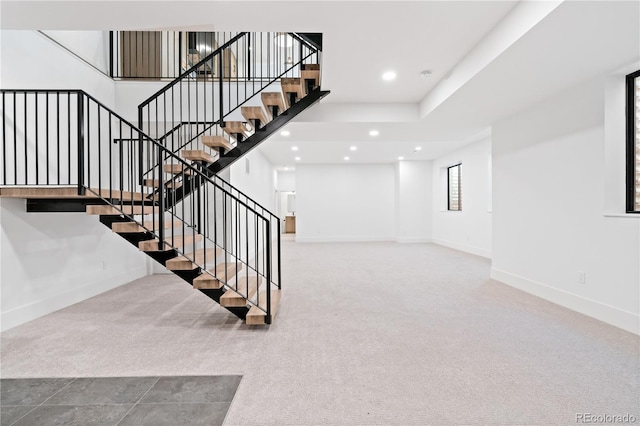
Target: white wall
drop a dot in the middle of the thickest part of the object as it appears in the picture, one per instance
(470, 229)
(259, 183)
(50, 261)
(30, 60)
(414, 201)
(548, 205)
(53, 260)
(348, 202)
(92, 46)
(286, 181)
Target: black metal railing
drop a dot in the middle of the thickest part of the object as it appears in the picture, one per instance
(159, 54)
(68, 138)
(210, 93)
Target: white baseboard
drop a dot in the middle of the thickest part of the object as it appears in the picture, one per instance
(412, 240)
(625, 320)
(343, 239)
(462, 247)
(37, 309)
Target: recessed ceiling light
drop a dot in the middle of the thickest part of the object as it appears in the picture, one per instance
(294, 148)
(346, 158)
(400, 158)
(374, 133)
(426, 73)
(285, 133)
(297, 158)
(286, 169)
(418, 148)
(354, 148)
(389, 75)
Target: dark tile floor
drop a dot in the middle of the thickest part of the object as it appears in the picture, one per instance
(157, 401)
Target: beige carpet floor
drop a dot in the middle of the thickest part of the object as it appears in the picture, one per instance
(367, 334)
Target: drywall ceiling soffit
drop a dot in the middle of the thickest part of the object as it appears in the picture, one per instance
(362, 39)
(574, 44)
(578, 42)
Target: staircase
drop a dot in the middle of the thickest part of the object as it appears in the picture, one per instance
(278, 79)
(64, 151)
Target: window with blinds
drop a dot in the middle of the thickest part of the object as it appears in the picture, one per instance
(454, 188)
(633, 142)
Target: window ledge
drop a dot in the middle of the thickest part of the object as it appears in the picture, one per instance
(623, 215)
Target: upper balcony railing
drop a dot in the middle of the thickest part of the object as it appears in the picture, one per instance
(164, 55)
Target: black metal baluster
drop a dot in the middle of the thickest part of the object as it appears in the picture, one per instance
(121, 157)
(58, 136)
(87, 162)
(111, 54)
(160, 201)
(110, 159)
(224, 228)
(179, 61)
(173, 115)
(81, 189)
(277, 220)
(15, 140)
(37, 152)
(69, 137)
(4, 140)
(150, 159)
(26, 165)
(140, 145)
(47, 134)
(99, 151)
(220, 90)
(164, 112)
(235, 248)
(268, 271)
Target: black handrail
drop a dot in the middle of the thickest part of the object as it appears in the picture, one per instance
(187, 73)
(193, 96)
(158, 55)
(106, 156)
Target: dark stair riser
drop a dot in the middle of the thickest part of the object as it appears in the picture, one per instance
(247, 145)
(163, 256)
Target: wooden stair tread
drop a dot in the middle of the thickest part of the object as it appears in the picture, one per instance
(155, 183)
(177, 240)
(216, 142)
(311, 75)
(272, 99)
(176, 169)
(254, 113)
(133, 227)
(112, 211)
(181, 263)
(197, 155)
(235, 298)
(208, 281)
(234, 128)
(310, 67)
(256, 316)
(70, 192)
(292, 85)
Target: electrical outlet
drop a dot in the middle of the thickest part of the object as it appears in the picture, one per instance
(582, 277)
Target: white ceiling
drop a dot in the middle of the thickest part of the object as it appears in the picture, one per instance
(575, 42)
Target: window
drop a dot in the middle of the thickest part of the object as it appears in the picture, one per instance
(454, 188)
(633, 142)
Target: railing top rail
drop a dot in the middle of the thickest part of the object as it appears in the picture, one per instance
(303, 41)
(156, 144)
(186, 74)
(43, 90)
